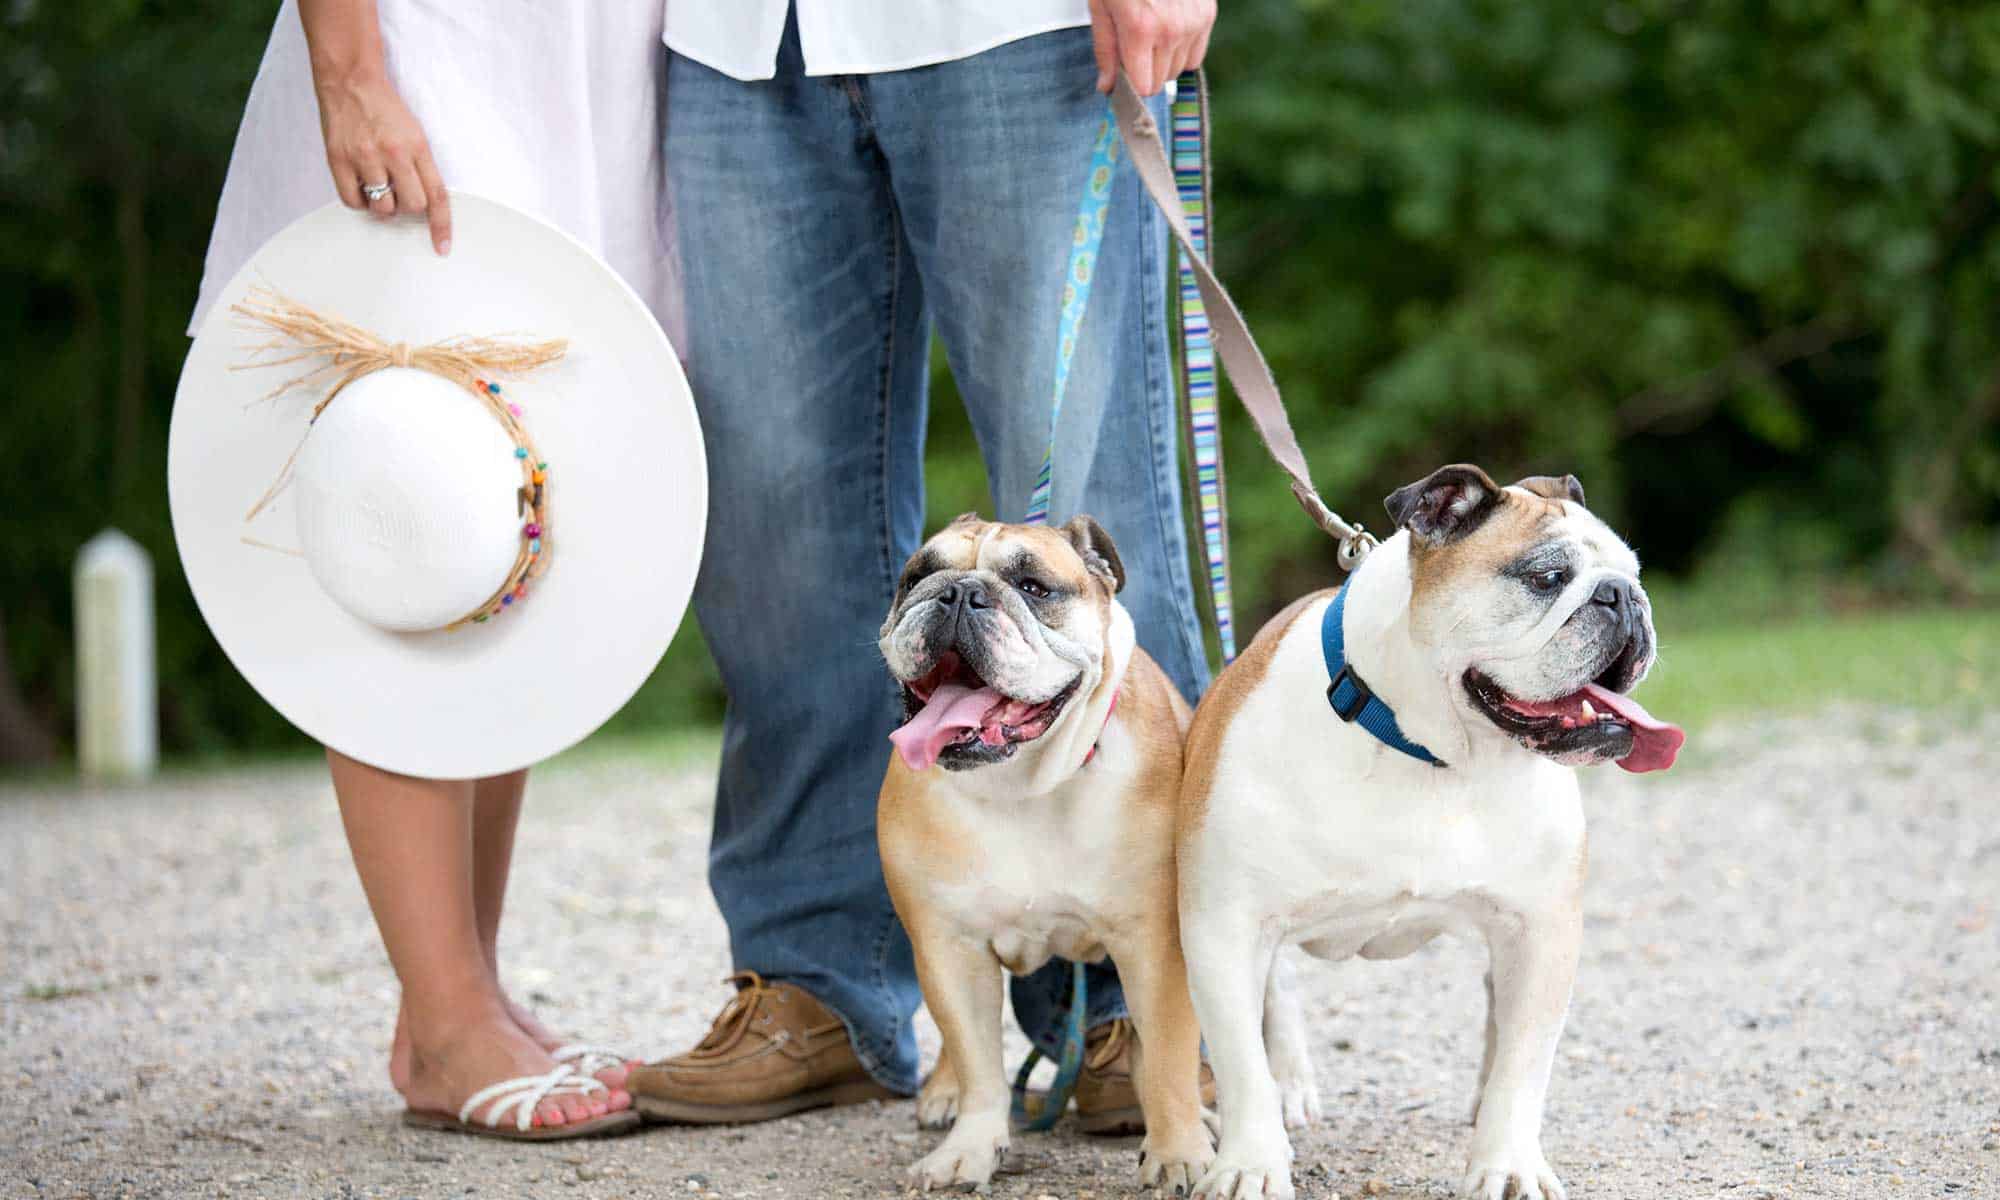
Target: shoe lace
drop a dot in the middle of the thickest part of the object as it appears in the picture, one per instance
(1104, 1049)
(737, 1016)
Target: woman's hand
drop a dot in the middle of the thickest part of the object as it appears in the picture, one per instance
(1153, 40)
(372, 139)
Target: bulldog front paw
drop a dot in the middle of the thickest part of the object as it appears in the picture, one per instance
(937, 1100)
(964, 1160)
(1174, 1162)
(1232, 1178)
(1523, 1175)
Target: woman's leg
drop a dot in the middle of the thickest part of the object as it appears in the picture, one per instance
(496, 813)
(412, 841)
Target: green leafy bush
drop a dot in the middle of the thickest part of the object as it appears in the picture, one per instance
(1734, 265)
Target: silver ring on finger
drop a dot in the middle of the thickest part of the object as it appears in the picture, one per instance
(376, 191)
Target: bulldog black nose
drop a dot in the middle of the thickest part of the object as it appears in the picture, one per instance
(1614, 594)
(965, 593)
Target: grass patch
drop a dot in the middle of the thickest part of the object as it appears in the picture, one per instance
(1937, 658)
(46, 992)
(60, 991)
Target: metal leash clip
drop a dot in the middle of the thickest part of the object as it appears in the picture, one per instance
(1355, 541)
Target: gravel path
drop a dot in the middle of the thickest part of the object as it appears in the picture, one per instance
(1788, 988)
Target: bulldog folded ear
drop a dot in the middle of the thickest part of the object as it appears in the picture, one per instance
(1094, 546)
(1445, 505)
(965, 518)
(1553, 487)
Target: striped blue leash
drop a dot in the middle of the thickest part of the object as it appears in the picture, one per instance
(1197, 358)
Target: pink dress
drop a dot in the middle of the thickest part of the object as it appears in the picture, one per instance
(552, 106)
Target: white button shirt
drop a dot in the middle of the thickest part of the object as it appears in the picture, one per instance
(857, 37)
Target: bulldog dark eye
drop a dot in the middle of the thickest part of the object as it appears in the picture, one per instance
(1033, 587)
(1548, 581)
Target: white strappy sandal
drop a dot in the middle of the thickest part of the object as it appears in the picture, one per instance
(589, 1059)
(517, 1098)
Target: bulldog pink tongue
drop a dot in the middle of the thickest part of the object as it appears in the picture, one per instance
(1654, 742)
(951, 710)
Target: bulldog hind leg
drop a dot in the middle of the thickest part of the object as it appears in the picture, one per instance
(1534, 966)
(1289, 1049)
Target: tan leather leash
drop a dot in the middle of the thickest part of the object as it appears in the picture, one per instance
(1234, 346)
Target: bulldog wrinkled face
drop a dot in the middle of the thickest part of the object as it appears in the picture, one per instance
(1533, 607)
(992, 630)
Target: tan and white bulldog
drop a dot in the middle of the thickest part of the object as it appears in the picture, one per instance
(1504, 627)
(1028, 812)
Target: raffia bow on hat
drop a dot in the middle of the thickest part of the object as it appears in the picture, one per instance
(345, 352)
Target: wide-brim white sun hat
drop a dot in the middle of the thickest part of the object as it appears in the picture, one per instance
(451, 578)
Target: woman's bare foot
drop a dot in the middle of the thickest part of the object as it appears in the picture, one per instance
(536, 1032)
(443, 1070)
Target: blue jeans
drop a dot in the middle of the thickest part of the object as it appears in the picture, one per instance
(826, 224)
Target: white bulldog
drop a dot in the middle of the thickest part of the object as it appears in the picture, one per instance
(1489, 645)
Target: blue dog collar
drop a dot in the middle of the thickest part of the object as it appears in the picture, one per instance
(1352, 701)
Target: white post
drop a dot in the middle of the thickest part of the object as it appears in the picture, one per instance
(117, 717)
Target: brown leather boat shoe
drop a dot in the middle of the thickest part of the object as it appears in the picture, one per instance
(1107, 1103)
(773, 1051)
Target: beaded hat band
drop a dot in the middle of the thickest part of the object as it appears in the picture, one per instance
(343, 352)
